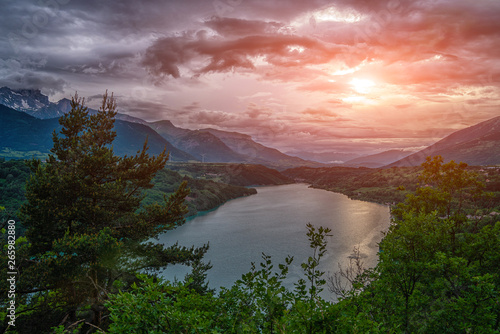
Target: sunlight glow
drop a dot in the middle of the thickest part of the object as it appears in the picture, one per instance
(347, 71)
(343, 70)
(298, 48)
(362, 86)
(328, 14)
(433, 59)
(358, 100)
(334, 14)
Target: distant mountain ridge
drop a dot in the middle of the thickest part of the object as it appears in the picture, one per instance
(332, 157)
(257, 153)
(24, 133)
(201, 144)
(476, 145)
(211, 145)
(205, 145)
(379, 159)
(33, 102)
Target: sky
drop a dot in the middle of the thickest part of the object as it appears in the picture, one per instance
(355, 76)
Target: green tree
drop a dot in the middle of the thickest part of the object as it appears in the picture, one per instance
(308, 304)
(438, 270)
(152, 306)
(434, 278)
(449, 188)
(85, 225)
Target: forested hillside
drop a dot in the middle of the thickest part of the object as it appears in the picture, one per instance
(386, 185)
(236, 174)
(203, 195)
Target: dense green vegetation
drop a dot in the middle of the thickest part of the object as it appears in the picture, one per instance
(13, 176)
(8, 153)
(230, 173)
(438, 272)
(377, 185)
(210, 184)
(86, 229)
(258, 303)
(204, 194)
(439, 268)
(390, 185)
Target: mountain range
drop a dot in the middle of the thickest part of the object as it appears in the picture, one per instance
(28, 119)
(333, 158)
(34, 103)
(20, 132)
(201, 144)
(211, 145)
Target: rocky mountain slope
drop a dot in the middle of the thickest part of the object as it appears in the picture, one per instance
(476, 145)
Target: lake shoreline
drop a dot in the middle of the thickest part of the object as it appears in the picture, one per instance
(274, 222)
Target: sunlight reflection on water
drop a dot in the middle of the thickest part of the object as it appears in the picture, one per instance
(273, 221)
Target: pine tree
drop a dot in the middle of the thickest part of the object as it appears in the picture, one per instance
(85, 224)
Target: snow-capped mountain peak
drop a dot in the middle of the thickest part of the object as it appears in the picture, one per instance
(27, 100)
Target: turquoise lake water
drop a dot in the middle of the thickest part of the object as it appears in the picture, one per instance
(274, 222)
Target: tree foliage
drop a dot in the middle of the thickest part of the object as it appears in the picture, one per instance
(449, 189)
(85, 226)
(439, 269)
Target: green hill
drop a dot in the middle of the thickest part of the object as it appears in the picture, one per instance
(236, 174)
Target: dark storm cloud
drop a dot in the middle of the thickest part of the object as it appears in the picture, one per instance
(167, 54)
(28, 73)
(85, 38)
(239, 27)
(428, 49)
(31, 80)
(403, 34)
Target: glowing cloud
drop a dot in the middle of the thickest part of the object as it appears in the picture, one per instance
(362, 86)
(334, 14)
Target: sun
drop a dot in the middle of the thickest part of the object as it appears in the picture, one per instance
(362, 86)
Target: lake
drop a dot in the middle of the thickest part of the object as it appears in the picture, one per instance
(274, 222)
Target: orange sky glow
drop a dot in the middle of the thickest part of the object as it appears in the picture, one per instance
(324, 76)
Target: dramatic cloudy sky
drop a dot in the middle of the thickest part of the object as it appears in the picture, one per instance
(338, 75)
